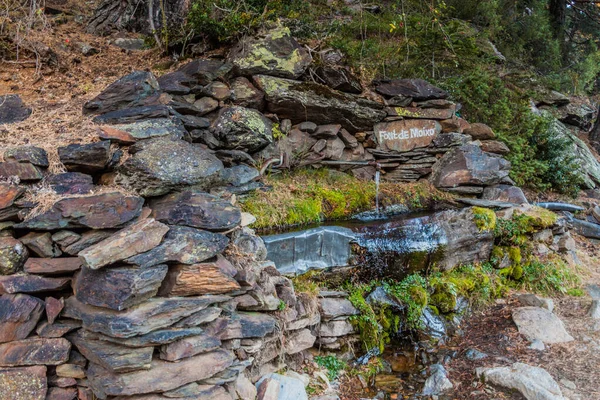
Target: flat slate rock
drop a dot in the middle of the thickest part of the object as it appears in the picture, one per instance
(102, 211)
(41, 244)
(12, 109)
(160, 165)
(19, 314)
(8, 194)
(58, 328)
(118, 288)
(137, 238)
(155, 338)
(86, 158)
(34, 351)
(561, 207)
(25, 283)
(332, 307)
(184, 245)
(149, 316)
(52, 266)
(26, 383)
(112, 356)
(85, 240)
(133, 114)
(417, 89)
(539, 323)
(129, 91)
(196, 209)
(486, 203)
(30, 154)
(26, 172)
(151, 128)
(189, 347)
(244, 325)
(161, 377)
(56, 393)
(71, 183)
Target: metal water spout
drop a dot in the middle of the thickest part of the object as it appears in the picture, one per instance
(377, 176)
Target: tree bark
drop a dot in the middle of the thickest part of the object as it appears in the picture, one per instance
(595, 133)
(132, 16)
(558, 16)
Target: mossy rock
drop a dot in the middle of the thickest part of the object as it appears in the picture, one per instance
(485, 219)
(538, 218)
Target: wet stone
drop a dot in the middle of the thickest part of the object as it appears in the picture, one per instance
(86, 158)
(25, 283)
(118, 288)
(197, 210)
(19, 314)
(34, 351)
(28, 154)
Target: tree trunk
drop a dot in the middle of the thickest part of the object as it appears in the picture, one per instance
(595, 133)
(558, 16)
(132, 15)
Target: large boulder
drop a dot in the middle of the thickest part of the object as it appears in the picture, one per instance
(468, 165)
(240, 128)
(158, 166)
(531, 382)
(277, 53)
(103, 211)
(129, 91)
(302, 101)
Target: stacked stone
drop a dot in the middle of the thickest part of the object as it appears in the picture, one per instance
(336, 329)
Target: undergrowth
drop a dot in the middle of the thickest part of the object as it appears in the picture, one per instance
(308, 196)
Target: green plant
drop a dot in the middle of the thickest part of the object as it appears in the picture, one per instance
(485, 219)
(332, 364)
(552, 276)
(282, 306)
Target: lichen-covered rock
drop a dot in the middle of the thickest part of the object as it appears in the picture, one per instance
(244, 94)
(13, 255)
(34, 351)
(155, 127)
(108, 210)
(161, 377)
(184, 245)
(31, 154)
(19, 314)
(27, 383)
(277, 53)
(158, 166)
(469, 165)
(129, 91)
(240, 128)
(301, 101)
(196, 209)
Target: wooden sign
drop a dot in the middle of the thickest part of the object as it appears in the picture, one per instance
(405, 135)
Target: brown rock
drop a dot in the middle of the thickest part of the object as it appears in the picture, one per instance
(243, 93)
(454, 124)
(196, 209)
(34, 351)
(329, 131)
(133, 240)
(57, 329)
(108, 210)
(189, 347)
(65, 238)
(12, 255)
(480, 132)
(405, 135)
(162, 376)
(53, 308)
(154, 314)
(41, 244)
(299, 340)
(118, 288)
(349, 140)
(115, 135)
(8, 194)
(70, 371)
(61, 382)
(52, 266)
(217, 90)
(85, 393)
(19, 314)
(55, 393)
(494, 146)
(26, 172)
(23, 383)
(197, 279)
(111, 356)
(333, 307)
(421, 113)
(86, 240)
(24, 283)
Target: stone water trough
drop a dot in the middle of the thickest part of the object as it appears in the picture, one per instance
(391, 247)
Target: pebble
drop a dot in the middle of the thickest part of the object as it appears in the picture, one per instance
(474, 354)
(537, 345)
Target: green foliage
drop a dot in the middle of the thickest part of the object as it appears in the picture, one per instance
(548, 277)
(281, 305)
(332, 364)
(412, 292)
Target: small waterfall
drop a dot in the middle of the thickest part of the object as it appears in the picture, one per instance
(377, 175)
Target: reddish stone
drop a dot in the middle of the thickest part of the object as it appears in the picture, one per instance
(8, 194)
(84, 393)
(58, 329)
(25, 171)
(115, 135)
(61, 382)
(52, 266)
(24, 283)
(34, 351)
(41, 244)
(53, 308)
(23, 383)
(19, 314)
(56, 393)
(480, 132)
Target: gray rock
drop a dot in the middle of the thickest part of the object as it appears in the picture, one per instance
(280, 387)
(245, 94)
(594, 311)
(437, 382)
(277, 53)
(31, 154)
(87, 158)
(539, 323)
(533, 383)
(532, 300)
(475, 355)
(336, 328)
(561, 207)
(156, 127)
(417, 89)
(130, 43)
(507, 193)
(239, 175)
(433, 325)
(12, 109)
(130, 115)
(585, 228)
(161, 165)
(240, 128)
(301, 101)
(332, 307)
(537, 345)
